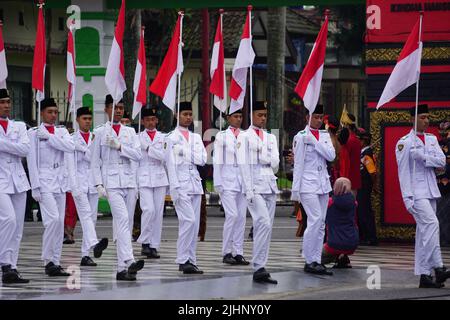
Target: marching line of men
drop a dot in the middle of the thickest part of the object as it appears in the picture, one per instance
(116, 163)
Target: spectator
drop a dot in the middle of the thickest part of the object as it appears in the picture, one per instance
(366, 218)
(342, 231)
(443, 176)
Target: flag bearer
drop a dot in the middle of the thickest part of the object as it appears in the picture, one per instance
(14, 145)
(48, 169)
(115, 146)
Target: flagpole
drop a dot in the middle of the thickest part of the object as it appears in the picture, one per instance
(417, 94)
(225, 78)
(181, 13)
(249, 9)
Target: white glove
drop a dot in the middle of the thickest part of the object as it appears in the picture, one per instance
(80, 147)
(36, 194)
(76, 192)
(418, 154)
(249, 195)
(43, 134)
(409, 203)
(101, 191)
(309, 139)
(219, 189)
(295, 196)
(174, 195)
(112, 142)
(178, 149)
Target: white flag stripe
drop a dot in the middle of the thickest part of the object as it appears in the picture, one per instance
(137, 80)
(313, 91)
(170, 93)
(214, 58)
(406, 72)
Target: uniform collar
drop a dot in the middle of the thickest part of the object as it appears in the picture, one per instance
(182, 128)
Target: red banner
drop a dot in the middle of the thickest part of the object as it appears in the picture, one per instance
(392, 20)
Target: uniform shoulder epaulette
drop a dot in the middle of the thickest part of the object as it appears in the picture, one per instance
(169, 133)
(429, 134)
(302, 132)
(60, 126)
(99, 126)
(404, 137)
(33, 128)
(323, 131)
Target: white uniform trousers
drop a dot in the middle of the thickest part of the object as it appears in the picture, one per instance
(152, 205)
(427, 249)
(188, 212)
(315, 206)
(87, 205)
(53, 211)
(262, 210)
(12, 215)
(119, 202)
(131, 207)
(235, 207)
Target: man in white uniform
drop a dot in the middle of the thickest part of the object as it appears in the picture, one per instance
(49, 181)
(115, 146)
(14, 145)
(84, 193)
(185, 151)
(311, 186)
(258, 160)
(418, 154)
(228, 183)
(153, 184)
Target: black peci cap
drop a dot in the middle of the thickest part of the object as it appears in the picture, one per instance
(260, 105)
(48, 102)
(421, 108)
(149, 112)
(109, 100)
(185, 106)
(84, 111)
(4, 94)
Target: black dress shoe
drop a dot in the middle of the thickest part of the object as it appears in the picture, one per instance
(153, 254)
(11, 276)
(426, 281)
(146, 250)
(99, 247)
(441, 274)
(53, 270)
(125, 276)
(136, 266)
(316, 268)
(87, 262)
(240, 260)
(67, 240)
(342, 262)
(189, 268)
(228, 259)
(262, 276)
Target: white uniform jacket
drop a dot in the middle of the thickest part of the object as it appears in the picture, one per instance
(258, 161)
(182, 159)
(14, 145)
(310, 164)
(80, 175)
(152, 171)
(113, 168)
(423, 185)
(52, 174)
(227, 174)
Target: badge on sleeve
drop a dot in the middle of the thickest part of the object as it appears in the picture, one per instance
(400, 147)
(238, 145)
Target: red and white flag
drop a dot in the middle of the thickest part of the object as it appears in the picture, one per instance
(140, 79)
(115, 71)
(39, 58)
(308, 86)
(165, 83)
(70, 73)
(3, 67)
(407, 70)
(244, 60)
(218, 85)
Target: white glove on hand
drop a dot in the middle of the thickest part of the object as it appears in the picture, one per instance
(249, 195)
(112, 142)
(36, 194)
(101, 191)
(80, 147)
(174, 195)
(409, 203)
(43, 134)
(219, 189)
(309, 139)
(418, 154)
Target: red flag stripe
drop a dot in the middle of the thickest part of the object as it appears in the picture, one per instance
(39, 59)
(412, 43)
(119, 35)
(2, 46)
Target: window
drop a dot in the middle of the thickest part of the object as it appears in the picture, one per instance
(87, 47)
(61, 24)
(21, 21)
